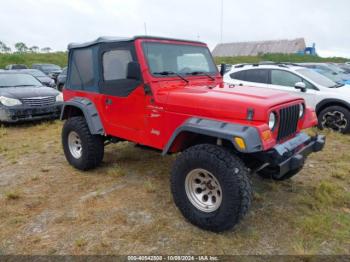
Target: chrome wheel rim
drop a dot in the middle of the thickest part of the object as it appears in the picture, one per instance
(74, 144)
(335, 120)
(203, 190)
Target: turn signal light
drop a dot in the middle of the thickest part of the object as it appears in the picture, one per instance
(240, 143)
(266, 135)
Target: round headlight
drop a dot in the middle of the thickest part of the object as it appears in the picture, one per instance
(301, 110)
(272, 120)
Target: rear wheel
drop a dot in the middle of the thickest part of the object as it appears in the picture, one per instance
(336, 118)
(82, 149)
(210, 187)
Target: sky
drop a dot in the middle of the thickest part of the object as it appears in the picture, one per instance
(55, 23)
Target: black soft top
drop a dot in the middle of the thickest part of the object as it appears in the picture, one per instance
(124, 39)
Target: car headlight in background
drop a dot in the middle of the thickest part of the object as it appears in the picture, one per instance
(272, 120)
(6, 101)
(301, 110)
(59, 98)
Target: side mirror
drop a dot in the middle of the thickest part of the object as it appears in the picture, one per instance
(222, 69)
(301, 86)
(133, 71)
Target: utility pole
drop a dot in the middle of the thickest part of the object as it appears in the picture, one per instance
(221, 21)
(145, 26)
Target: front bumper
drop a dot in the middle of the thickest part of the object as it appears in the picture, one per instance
(291, 155)
(26, 113)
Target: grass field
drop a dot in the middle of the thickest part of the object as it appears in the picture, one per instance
(125, 206)
(60, 58)
(277, 58)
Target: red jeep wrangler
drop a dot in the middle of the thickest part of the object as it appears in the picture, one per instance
(168, 95)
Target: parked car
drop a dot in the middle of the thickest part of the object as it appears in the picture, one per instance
(168, 95)
(345, 67)
(331, 71)
(15, 66)
(47, 81)
(330, 100)
(49, 69)
(61, 79)
(24, 98)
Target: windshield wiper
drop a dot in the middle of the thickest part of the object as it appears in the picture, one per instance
(166, 73)
(22, 85)
(337, 85)
(201, 73)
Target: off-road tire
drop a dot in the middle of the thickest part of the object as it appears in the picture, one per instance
(92, 145)
(230, 172)
(270, 173)
(340, 109)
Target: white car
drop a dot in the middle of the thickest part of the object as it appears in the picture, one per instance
(330, 100)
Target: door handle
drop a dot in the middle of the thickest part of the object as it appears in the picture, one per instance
(109, 101)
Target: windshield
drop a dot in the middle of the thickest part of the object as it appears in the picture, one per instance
(316, 77)
(178, 59)
(18, 80)
(336, 69)
(51, 67)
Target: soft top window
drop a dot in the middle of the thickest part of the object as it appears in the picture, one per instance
(115, 63)
(82, 74)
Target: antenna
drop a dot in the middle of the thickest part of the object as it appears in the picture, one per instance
(145, 25)
(221, 21)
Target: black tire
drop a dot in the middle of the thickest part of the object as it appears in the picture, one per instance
(336, 118)
(92, 146)
(270, 173)
(229, 171)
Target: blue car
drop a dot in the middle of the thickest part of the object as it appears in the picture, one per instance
(330, 71)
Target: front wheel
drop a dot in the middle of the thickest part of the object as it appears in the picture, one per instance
(336, 118)
(82, 149)
(210, 187)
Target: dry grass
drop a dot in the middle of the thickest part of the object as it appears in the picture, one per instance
(125, 206)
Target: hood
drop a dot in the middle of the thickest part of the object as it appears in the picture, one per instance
(27, 92)
(226, 102)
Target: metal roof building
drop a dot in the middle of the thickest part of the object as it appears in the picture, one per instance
(263, 47)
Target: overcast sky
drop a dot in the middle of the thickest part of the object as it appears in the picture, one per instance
(55, 23)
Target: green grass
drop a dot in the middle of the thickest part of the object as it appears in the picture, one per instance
(277, 58)
(58, 58)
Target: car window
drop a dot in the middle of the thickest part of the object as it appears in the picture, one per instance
(284, 78)
(18, 80)
(257, 76)
(115, 64)
(82, 70)
(241, 75)
(178, 59)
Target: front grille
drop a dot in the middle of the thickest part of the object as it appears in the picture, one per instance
(39, 101)
(288, 122)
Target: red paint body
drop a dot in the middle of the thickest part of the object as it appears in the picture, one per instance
(151, 120)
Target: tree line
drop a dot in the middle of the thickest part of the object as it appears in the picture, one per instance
(21, 47)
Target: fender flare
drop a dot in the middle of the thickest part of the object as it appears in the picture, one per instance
(221, 130)
(331, 101)
(89, 111)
